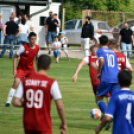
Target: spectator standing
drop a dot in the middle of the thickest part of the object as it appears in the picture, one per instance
(87, 35)
(9, 31)
(19, 19)
(29, 23)
(126, 40)
(22, 38)
(46, 34)
(14, 15)
(51, 30)
(58, 28)
(0, 27)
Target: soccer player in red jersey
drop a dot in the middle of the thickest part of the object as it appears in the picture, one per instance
(123, 62)
(27, 54)
(38, 91)
(92, 59)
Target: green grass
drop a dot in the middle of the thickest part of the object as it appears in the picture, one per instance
(78, 99)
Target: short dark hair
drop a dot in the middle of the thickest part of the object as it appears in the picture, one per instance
(124, 78)
(28, 16)
(50, 12)
(57, 37)
(88, 17)
(11, 18)
(103, 40)
(32, 34)
(23, 21)
(125, 22)
(55, 14)
(44, 62)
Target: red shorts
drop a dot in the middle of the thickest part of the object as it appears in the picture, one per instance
(36, 132)
(95, 86)
(21, 74)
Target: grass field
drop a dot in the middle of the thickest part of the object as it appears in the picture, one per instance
(78, 99)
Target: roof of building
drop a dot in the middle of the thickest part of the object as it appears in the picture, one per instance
(25, 2)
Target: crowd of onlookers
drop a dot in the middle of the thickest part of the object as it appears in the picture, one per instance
(15, 31)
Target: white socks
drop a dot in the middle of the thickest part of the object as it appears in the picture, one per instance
(10, 95)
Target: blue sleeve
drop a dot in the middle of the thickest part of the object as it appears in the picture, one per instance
(99, 54)
(111, 107)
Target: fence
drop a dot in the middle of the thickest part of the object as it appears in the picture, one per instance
(112, 18)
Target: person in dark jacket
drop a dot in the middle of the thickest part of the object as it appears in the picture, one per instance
(87, 35)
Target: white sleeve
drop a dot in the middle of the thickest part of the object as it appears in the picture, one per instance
(20, 50)
(20, 91)
(32, 26)
(55, 91)
(86, 59)
(128, 65)
(38, 54)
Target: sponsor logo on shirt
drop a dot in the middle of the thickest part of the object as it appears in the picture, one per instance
(27, 52)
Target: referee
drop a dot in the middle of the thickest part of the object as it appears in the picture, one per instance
(87, 35)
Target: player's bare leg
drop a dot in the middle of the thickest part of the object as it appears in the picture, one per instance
(12, 91)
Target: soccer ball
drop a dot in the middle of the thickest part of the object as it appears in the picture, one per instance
(95, 113)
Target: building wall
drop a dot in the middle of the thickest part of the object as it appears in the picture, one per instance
(40, 30)
(6, 11)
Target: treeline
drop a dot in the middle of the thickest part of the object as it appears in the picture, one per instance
(75, 7)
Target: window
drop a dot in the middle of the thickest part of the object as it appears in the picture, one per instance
(42, 21)
(80, 24)
(70, 25)
(103, 26)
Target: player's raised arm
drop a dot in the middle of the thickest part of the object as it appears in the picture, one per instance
(81, 64)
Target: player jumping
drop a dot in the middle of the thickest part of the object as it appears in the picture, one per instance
(25, 68)
(38, 91)
(88, 61)
(121, 107)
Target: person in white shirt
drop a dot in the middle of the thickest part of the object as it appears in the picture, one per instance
(22, 39)
(29, 23)
(57, 46)
(58, 28)
(64, 42)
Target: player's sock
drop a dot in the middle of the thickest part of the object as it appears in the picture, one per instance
(10, 95)
(102, 106)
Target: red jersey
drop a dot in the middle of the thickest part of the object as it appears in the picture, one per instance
(37, 103)
(27, 56)
(121, 61)
(92, 71)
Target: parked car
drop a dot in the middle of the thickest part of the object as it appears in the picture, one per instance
(117, 28)
(73, 29)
